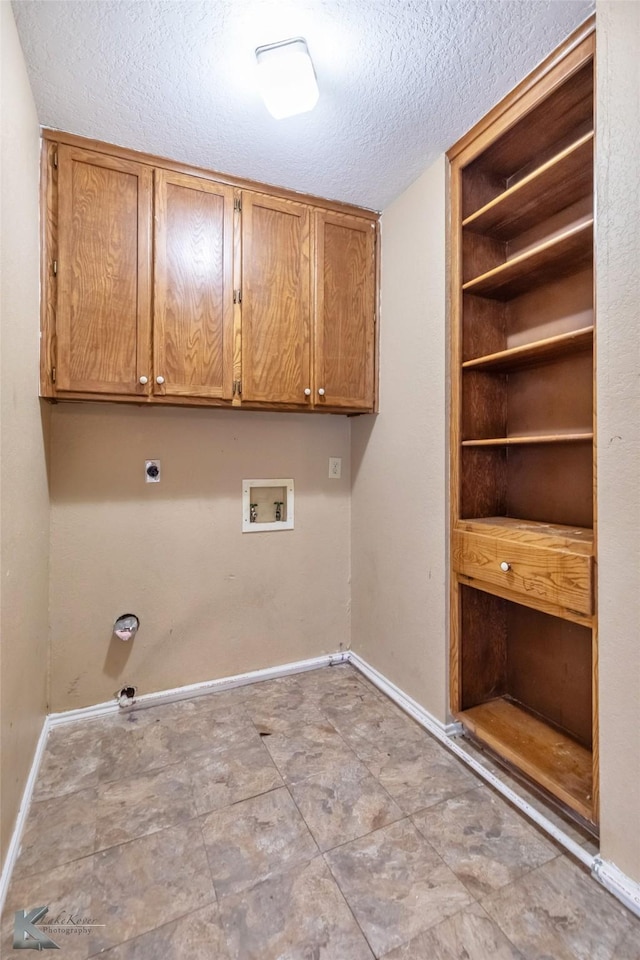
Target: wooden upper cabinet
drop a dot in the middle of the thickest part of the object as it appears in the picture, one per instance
(104, 273)
(276, 300)
(163, 283)
(344, 311)
(193, 287)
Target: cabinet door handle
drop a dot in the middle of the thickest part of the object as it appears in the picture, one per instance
(159, 379)
(321, 391)
(504, 566)
(144, 380)
(307, 391)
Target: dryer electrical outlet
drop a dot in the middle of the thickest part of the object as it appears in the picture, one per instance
(152, 471)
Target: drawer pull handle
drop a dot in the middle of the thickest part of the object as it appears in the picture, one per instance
(504, 566)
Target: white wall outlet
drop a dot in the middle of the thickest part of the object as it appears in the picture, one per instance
(152, 471)
(335, 468)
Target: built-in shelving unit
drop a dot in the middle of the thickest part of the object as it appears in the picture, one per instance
(523, 642)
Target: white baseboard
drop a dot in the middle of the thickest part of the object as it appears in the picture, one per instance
(626, 890)
(16, 837)
(192, 690)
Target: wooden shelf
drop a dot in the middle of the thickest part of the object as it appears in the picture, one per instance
(554, 760)
(531, 354)
(541, 438)
(555, 185)
(551, 260)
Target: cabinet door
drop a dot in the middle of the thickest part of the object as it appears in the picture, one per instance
(104, 274)
(344, 311)
(193, 290)
(276, 305)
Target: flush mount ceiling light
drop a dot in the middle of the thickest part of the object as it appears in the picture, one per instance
(286, 78)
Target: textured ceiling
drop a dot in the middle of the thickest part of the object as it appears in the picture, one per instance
(400, 80)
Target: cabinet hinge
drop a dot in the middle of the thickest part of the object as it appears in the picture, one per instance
(237, 204)
(237, 296)
(55, 159)
(53, 374)
(54, 268)
(237, 387)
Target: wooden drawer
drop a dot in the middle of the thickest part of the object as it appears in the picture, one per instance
(536, 571)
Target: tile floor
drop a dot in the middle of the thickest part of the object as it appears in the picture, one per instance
(305, 818)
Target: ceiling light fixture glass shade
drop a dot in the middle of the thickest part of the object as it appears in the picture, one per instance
(286, 78)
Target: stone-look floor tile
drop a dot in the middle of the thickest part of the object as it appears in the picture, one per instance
(419, 776)
(352, 704)
(628, 948)
(138, 743)
(57, 831)
(298, 915)
(345, 705)
(305, 750)
(470, 934)
(340, 677)
(396, 884)
(137, 806)
(335, 688)
(377, 731)
(331, 675)
(342, 803)
(220, 701)
(484, 841)
(230, 775)
(201, 726)
(149, 882)
(71, 759)
(279, 707)
(150, 738)
(254, 839)
(198, 936)
(559, 911)
(66, 892)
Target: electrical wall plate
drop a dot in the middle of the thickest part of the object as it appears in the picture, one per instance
(265, 500)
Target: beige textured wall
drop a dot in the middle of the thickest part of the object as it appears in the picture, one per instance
(24, 502)
(212, 601)
(617, 285)
(399, 498)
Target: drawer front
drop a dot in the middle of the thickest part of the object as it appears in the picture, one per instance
(553, 576)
